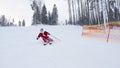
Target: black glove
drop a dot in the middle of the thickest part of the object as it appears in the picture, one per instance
(48, 33)
(36, 38)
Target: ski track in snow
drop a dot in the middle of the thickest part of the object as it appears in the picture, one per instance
(20, 49)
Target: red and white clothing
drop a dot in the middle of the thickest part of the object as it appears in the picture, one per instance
(45, 37)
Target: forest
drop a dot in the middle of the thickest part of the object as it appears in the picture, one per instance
(93, 12)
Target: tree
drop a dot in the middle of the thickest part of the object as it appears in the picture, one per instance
(49, 18)
(79, 16)
(3, 20)
(70, 13)
(73, 10)
(44, 15)
(13, 20)
(23, 23)
(19, 23)
(54, 15)
(36, 15)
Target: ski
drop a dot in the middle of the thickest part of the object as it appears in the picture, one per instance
(47, 44)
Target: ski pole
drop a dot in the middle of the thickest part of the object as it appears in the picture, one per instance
(55, 37)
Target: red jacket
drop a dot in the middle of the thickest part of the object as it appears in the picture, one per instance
(44, 34)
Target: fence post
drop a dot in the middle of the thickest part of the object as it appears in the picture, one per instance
(82, 30)
(108, 35)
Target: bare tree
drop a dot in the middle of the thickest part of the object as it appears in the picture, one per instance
(70, 13)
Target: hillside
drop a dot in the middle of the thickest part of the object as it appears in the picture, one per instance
(20, 49)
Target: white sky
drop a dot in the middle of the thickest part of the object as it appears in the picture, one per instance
(21, 9)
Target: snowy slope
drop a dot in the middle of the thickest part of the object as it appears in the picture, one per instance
(20, 49)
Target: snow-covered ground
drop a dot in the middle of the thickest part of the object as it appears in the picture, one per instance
(20, 49)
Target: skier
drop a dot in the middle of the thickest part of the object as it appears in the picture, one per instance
(44, 35)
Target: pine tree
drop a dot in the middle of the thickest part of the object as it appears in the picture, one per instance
(23, 23)
(44, 15)
(19, 23)
(3, 20)
(36, 15)
(54, 15)
(49, 18)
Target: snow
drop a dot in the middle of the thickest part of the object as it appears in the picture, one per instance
(20, 49)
